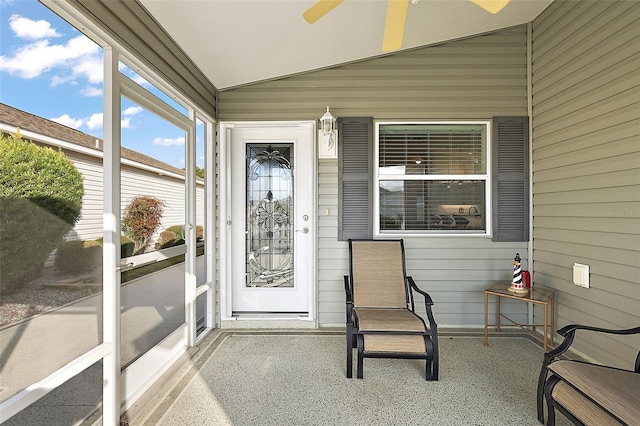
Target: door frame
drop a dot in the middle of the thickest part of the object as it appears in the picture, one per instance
(226, 269)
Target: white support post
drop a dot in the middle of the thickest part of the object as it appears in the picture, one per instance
(111, 398)
(210, 221)
(190, 281)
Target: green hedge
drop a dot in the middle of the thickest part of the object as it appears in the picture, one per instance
(179, 231)
(40, 202)
(166, 239)
(78, 256)
(126, 246)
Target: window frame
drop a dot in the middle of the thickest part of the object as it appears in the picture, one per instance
(486, 177)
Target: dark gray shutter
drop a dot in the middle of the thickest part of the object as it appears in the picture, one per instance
(355, 178)
(510, 186)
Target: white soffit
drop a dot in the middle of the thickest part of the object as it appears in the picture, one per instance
(236, 42)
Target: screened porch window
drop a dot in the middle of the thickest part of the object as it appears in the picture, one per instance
(432, 178)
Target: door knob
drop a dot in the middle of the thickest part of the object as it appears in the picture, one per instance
(304, 230)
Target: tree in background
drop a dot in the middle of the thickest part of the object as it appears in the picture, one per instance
(40, 202)
(199, 172)
(140, 220)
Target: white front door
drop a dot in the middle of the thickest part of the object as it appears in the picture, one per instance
(272, 220)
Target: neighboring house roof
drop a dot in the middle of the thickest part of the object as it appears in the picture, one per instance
(26, 121)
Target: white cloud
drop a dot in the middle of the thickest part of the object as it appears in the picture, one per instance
(132, 111)
(91, 91)
(33, 59)
(95, 121)
(125, 123)
(31, 30)
(89, 67)
(169, 142)
(140, 80)
(68, 121)
(57, 80)
(133, 75)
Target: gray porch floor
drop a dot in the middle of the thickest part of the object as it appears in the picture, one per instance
(298, 378)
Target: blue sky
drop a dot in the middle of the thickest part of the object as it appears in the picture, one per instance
(50, 69)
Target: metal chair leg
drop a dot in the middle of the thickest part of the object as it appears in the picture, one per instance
(349, 352)
(360, 368)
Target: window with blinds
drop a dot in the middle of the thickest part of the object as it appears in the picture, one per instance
(432, 178)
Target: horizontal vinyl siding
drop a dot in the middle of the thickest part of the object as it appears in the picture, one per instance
(476, 78)
(586, 167)
(89, 226)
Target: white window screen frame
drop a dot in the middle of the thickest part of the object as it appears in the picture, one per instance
(486, 177)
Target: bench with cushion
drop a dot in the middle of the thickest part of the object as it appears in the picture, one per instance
(586, 393)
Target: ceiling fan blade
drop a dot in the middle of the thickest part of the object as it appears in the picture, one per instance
(394, 28)
(492, 6)
(318, 10)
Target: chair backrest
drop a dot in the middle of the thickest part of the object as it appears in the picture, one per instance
(377, 273)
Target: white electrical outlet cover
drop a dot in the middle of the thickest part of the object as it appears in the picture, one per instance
(581, 275)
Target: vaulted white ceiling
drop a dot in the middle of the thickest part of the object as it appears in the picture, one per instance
(236, 42)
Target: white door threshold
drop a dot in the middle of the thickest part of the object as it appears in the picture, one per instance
(268, 320)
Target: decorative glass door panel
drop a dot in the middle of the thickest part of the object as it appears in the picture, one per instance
(269, 228)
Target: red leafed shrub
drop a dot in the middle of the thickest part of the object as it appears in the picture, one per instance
(140, 220)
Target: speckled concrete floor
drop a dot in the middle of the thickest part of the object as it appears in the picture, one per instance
(299, 379)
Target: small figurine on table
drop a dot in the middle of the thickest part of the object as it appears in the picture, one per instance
(517, 286)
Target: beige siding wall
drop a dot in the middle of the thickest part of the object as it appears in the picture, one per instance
(477, 78)
(586, 167)
(89, 227)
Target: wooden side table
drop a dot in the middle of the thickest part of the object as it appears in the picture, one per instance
(538, 295)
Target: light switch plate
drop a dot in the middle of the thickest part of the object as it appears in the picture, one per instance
(581, 275)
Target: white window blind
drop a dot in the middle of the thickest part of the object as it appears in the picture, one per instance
(432, 178)
(432, 149)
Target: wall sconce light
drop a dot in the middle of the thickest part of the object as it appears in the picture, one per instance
(328, 132)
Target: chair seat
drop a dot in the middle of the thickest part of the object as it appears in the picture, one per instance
(580, 406)
(611, 388)
(393, 343)
(383, 319)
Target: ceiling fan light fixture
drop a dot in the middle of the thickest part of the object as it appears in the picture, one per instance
(394, 27)
(396, 17)
(319, 9)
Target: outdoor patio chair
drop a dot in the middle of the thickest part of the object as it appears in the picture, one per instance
(588, 393)
(381, 317)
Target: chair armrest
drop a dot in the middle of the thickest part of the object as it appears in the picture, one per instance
(347, 289)
(427, 298)
(569, 332)
(349, 300)
(428, 303)
(571, 328)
